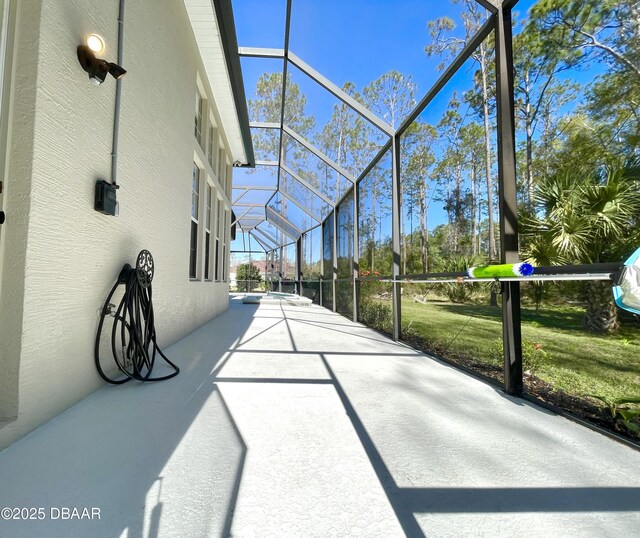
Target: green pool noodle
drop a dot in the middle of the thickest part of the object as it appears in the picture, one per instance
(503, 270)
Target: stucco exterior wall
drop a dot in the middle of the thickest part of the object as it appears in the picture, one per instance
(62, 129)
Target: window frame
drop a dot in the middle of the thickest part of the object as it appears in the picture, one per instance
(226, 231)
(217, 242)
(194, 226)
(207, 251)
(213, 142)
(198, 131)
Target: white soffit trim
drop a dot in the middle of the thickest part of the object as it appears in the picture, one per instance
(205, 28)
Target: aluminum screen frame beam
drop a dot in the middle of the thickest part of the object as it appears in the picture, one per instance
(254, 188)
(334, 259)
(395, 235)
(356, 251)
(264, 125)
(508, 203)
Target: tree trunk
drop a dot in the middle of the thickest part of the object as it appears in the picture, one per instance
(424, 240)
(493, 252)
(373, 226)
(403, 232)
(601, 315)
(457, 209)
(474, 225)
(529, 136)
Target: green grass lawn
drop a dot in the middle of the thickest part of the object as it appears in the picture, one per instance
(576, 361)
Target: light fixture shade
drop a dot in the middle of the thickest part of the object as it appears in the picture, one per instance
(116, 71)
(95, 43)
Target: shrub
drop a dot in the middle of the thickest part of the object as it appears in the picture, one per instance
(533, 355)
(377, 315)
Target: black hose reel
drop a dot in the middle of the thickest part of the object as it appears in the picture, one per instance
(133, 335)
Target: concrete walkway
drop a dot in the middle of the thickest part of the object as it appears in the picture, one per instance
(289, 421)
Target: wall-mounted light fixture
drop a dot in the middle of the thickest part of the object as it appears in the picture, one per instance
(96, 67)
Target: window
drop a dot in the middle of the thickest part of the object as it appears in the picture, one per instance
(207, 234)
(225, 235)
(216, 251)
(198, 119)
(212, 153)
(195, 200)
(219, 168)
(221, 171)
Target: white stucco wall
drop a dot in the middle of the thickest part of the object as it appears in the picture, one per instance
(67, 254)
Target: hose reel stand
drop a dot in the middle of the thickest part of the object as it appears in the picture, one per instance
(133, 335)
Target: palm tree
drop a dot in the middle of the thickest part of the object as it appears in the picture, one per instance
(587, 219)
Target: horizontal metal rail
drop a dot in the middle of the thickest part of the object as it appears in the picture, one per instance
(531, 278)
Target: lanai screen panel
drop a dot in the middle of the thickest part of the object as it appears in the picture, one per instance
(279, 222)
(369, 43)
(312, 254)
(266, 143)
(344, 284)
(251, 196)
(331, 125)
(304, 195)
(278, 237)
(263, 87)
(374, 224)
(292, 212)
(327, 262)
(313, 170)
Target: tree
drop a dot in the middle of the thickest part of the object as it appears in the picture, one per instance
(418, 158)
(248, 277)
(267, 107)
(443, 43)
(348, 140)
(450, 174)
(537, 94)
(473, 152)
(392, 97)
(587, 30)
(588, 218)
(605, 32)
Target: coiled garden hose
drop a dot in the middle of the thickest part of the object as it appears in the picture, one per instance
(133, 335)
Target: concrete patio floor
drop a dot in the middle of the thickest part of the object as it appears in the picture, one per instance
(292, 421)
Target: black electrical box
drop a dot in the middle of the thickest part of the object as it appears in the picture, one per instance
(106, 198)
